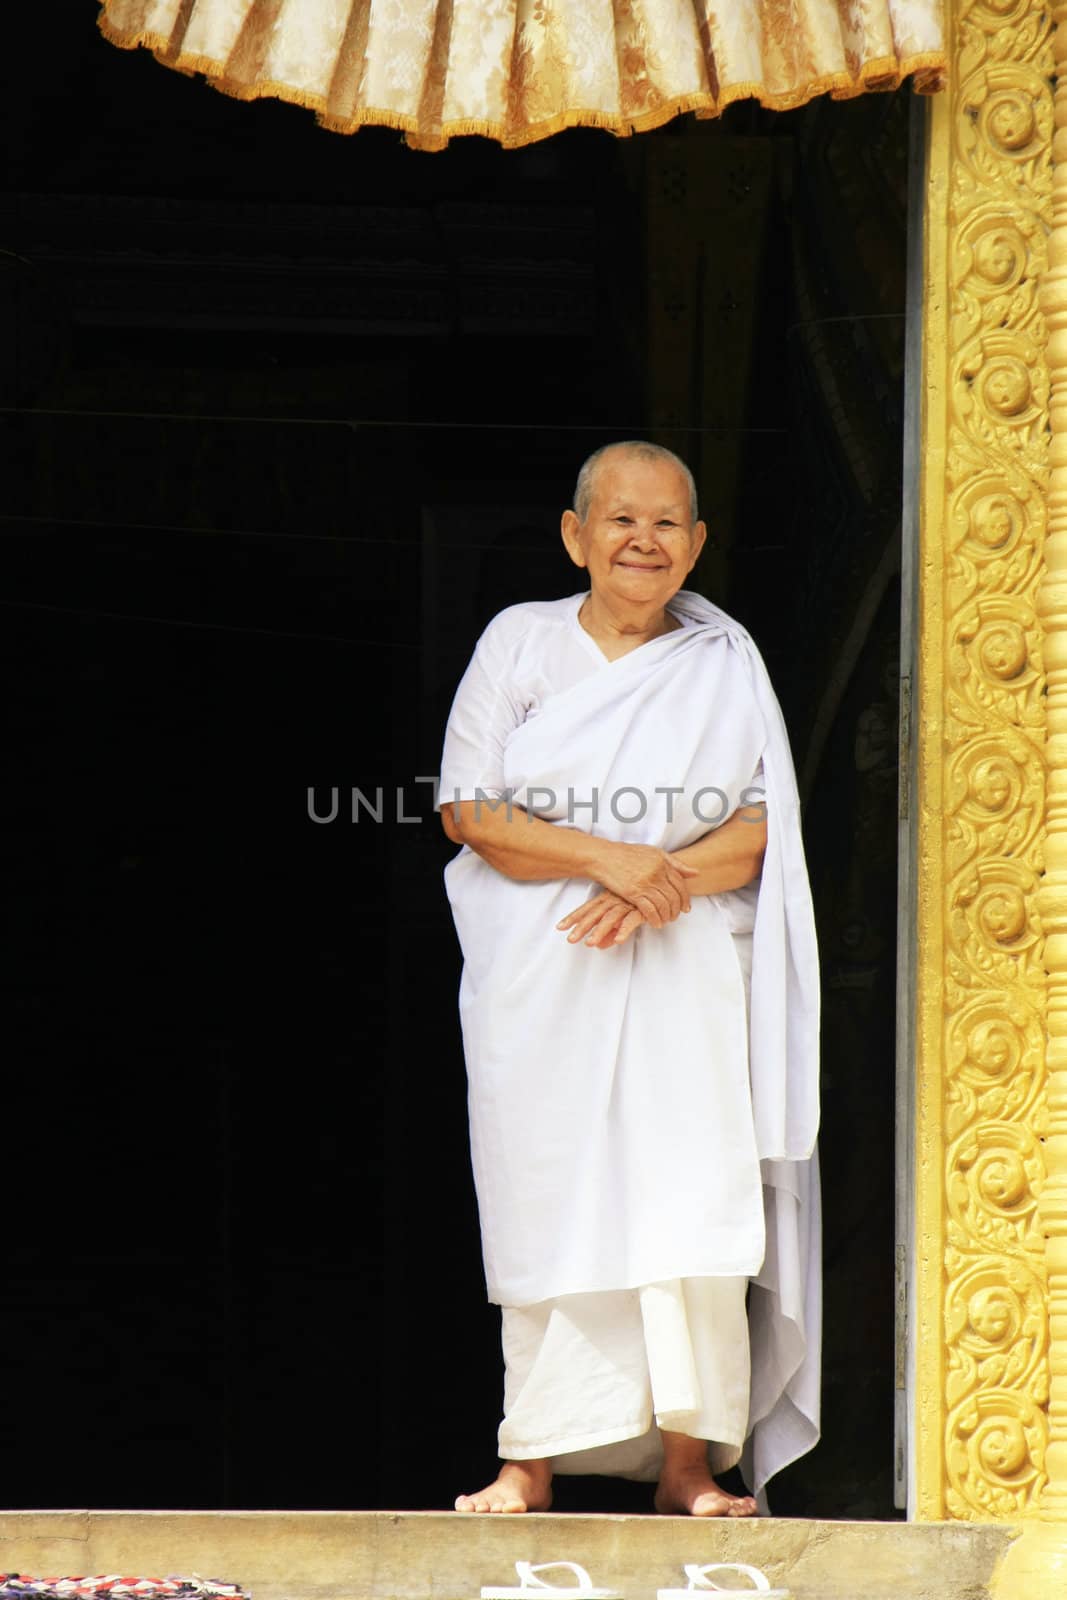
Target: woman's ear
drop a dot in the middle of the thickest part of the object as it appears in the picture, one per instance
(571, 528)
(696, 542)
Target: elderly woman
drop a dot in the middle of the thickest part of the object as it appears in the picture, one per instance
(640, 1018)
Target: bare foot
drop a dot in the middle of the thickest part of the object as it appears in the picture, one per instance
(519, 1486)
(693, 1492)
(686, 1486)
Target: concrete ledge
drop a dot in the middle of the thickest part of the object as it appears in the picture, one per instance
(433, 1555)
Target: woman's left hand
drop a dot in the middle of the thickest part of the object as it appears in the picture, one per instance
(603, 922)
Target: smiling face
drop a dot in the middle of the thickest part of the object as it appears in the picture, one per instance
(637, 542)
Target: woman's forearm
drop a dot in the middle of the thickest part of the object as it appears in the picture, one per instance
(531, 850)
(523, 846)
(729, 856)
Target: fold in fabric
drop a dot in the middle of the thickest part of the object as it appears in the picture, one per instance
(519, 70)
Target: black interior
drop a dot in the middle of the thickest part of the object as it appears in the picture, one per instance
(287, 416)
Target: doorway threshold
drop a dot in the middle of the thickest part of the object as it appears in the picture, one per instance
(439, 1555)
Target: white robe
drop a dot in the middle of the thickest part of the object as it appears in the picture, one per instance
(626, 1126)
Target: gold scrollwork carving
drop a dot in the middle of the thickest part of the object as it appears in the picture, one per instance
(995, 1440)
(996, 1170)
(1005, 122)
(994, 1312)
(997, 522)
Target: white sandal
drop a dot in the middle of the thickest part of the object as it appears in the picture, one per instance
(532, 1585)
(700, 1579)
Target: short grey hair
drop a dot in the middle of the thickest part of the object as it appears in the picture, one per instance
(644, 450)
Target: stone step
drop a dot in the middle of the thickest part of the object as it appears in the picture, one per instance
(431, 1555)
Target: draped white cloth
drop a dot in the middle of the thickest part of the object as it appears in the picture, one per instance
(520, 70)
(591, 1379)
(626, 1126)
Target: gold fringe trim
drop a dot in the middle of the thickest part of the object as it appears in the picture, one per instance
(886, 73)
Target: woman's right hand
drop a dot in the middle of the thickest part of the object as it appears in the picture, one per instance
(650, 879)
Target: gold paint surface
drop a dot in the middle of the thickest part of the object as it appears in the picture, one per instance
(982, 1318)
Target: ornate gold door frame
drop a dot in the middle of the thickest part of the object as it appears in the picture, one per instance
(992, 595)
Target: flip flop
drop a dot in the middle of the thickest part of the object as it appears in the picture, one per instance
(701, 1581)
(532, 1585)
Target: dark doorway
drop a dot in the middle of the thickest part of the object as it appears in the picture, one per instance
(289, 417)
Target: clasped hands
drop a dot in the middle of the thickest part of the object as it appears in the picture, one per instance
(641, 884)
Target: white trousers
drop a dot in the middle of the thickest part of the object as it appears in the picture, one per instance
(590, 1379)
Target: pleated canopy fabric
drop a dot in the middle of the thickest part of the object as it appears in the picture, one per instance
(520, 70)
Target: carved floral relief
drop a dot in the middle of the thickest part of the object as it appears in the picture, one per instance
(994, 1312)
